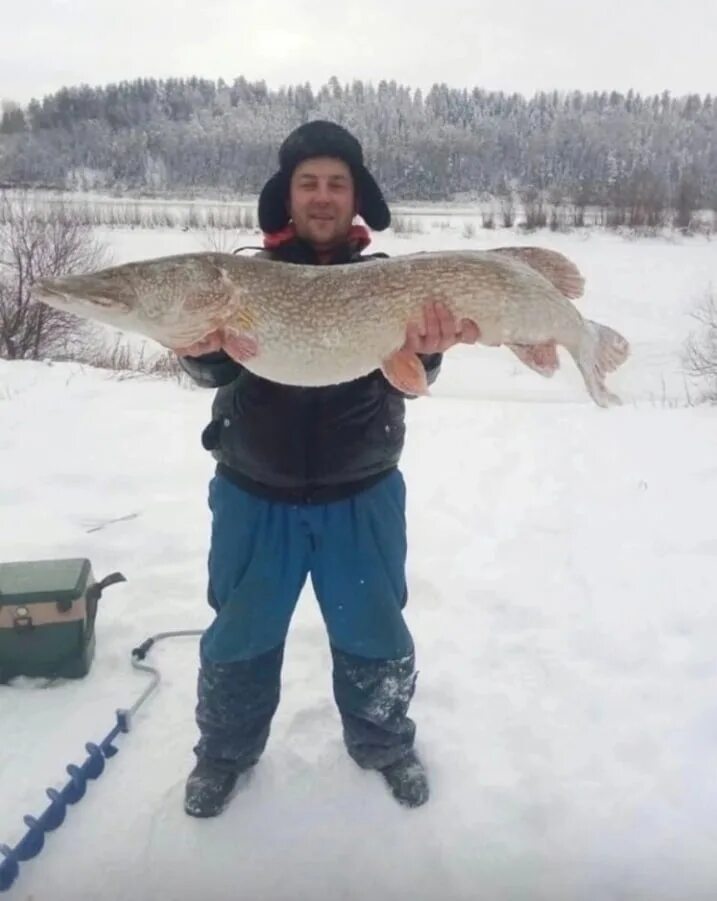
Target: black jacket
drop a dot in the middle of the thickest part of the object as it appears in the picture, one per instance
(302, 445)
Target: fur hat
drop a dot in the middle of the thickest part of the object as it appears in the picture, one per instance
(321, 138)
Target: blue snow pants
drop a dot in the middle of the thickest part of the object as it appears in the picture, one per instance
(261, 553)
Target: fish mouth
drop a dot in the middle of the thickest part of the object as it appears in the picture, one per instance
(47, 291)
(48, 286)
(63, 294)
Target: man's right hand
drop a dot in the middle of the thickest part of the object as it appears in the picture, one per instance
(209, 344)
(240, 347)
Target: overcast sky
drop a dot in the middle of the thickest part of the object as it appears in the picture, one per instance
(510, 45)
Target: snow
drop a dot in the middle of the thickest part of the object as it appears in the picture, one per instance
(562, 563)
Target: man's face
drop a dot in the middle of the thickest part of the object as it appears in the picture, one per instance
(322, 201)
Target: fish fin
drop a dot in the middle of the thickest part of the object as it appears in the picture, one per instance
(561, 272)
(612, 348)
(541, 358)
(601, 350)
(405, 371)
(240, 346)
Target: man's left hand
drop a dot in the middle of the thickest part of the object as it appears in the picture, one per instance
(439, 331)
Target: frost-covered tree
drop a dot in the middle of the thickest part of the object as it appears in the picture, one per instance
(635, 156)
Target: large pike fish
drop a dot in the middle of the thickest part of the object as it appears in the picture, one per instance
(320, 325)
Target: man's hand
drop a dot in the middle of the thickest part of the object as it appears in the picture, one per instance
(439, 331)
(238, 346)
(209, 344)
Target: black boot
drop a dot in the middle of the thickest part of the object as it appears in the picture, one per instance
(210, 787)
(407, 780)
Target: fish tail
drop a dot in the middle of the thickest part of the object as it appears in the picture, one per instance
(601, 350)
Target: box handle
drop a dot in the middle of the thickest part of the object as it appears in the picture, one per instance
(94, 592)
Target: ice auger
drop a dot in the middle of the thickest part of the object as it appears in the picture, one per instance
(54, 814)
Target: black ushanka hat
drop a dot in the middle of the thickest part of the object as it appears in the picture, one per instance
(321, 138)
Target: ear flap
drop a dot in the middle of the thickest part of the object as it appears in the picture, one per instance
(372, 206)
(273, 214)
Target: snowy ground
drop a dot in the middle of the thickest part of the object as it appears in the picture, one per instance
(562, 569)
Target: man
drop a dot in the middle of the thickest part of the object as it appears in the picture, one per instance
(307, 483)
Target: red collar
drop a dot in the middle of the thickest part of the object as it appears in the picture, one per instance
(358, 236)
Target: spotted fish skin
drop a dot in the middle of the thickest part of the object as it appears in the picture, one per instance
(320, 325)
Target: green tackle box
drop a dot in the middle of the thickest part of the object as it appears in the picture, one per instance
(47, 617)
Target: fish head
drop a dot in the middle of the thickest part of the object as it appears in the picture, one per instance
(92, 296)
(175, 301)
